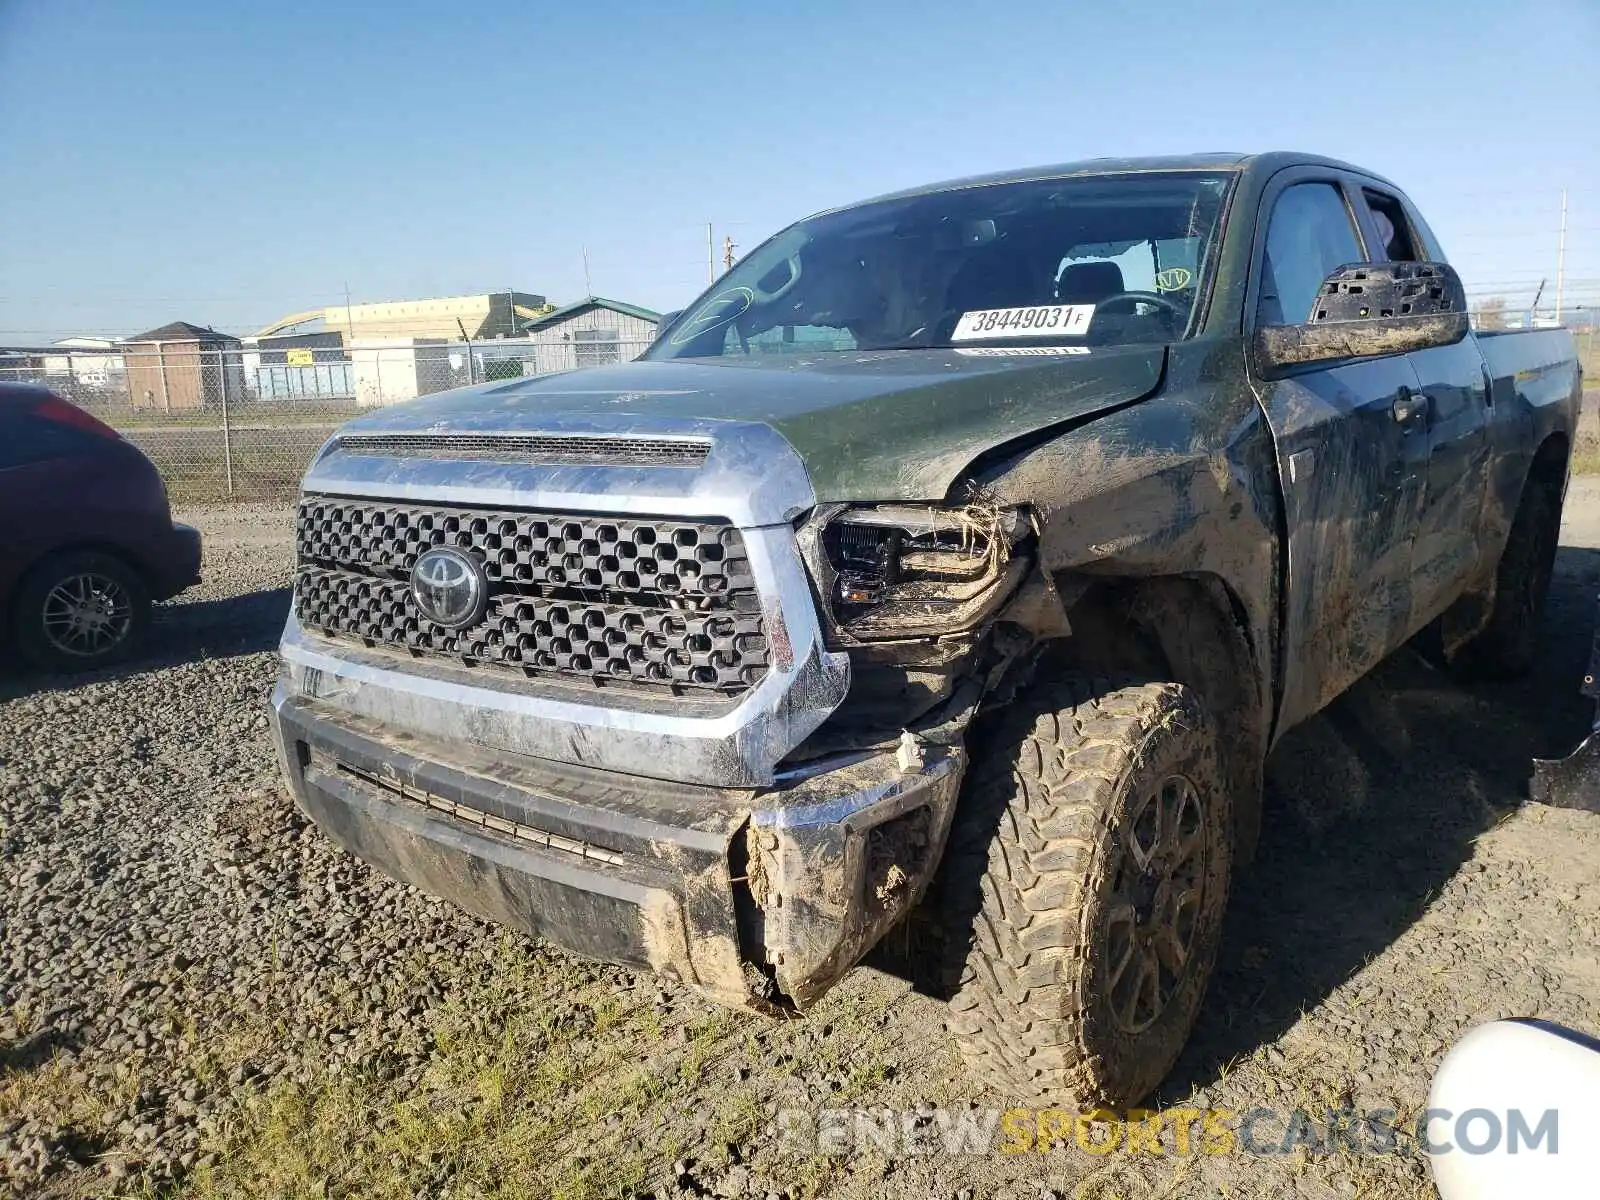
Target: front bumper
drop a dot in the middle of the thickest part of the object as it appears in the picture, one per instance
(175, 561)
(761, 898)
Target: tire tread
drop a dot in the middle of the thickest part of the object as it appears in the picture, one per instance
(1030, 827)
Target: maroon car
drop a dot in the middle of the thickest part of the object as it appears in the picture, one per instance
(87, 540)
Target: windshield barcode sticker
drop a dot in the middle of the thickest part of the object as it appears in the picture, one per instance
(1020, 351)
(1051, 320)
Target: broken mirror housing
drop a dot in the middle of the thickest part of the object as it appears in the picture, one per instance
(912, 570)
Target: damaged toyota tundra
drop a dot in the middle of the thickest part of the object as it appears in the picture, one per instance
(944, 573)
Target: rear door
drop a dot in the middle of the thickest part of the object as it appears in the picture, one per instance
(1352, 456)
(1453, 387)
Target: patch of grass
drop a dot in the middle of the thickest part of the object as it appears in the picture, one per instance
(486, 1113)
(1589, 356)
(127, 419)
(505, 1071)
(538, 1080)
(53, 1094)
(738, 1117)
(610, 1175)
(265, 462)
(814, 1175)
(705, 1042)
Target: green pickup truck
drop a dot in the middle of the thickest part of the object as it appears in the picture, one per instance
(955, 559)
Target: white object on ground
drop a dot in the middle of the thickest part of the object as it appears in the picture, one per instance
(1523, 1105)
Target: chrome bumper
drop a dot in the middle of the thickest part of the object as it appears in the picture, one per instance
(759, 899)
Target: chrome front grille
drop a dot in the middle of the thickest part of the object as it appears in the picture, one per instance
(653, 603)
(533, 448)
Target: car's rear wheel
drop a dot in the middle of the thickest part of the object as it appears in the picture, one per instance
(78, 611)
(1090, 860)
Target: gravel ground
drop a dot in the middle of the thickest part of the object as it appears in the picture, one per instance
(199, 995)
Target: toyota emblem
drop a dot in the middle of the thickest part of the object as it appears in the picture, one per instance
(449, 588)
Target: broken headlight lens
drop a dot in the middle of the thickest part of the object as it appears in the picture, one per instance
(918, 570)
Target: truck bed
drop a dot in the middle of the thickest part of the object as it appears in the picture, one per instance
(1535, 365)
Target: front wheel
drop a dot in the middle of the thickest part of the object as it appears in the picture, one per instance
(78, 611)
(1090, 859)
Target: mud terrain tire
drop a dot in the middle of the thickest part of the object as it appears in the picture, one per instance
(1505, 647)
(1043, 868)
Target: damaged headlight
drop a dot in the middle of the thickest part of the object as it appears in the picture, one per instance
(891, 571)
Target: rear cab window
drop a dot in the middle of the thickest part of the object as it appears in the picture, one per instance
(1395, 238)
(1397, 231)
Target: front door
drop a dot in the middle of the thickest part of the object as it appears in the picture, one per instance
(1352, 456)
(1445, 559)
(1453, 390)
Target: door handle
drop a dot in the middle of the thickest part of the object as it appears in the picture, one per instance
(1409, 405)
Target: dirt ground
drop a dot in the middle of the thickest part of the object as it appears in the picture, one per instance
(200, 996)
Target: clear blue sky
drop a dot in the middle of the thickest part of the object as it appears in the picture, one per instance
(227, 163)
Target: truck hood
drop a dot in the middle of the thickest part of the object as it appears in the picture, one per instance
(880, 426)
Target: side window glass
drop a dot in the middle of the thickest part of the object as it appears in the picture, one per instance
(1396, 242)
(25, 439)
(1310, 235)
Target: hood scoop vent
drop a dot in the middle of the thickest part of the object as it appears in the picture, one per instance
(533, 448)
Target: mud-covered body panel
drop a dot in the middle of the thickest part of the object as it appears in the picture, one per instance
(1536, 386)
(884, 425)
(1352, 480)
(1164, 516)
(758, 900)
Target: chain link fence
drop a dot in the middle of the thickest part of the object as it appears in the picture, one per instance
(227, 421)
(234, 422)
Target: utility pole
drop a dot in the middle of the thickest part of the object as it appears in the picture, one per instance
(588, 288)
(471, 371)
(727, 254)
(349, 320)
(1561, 258)
(227, 432)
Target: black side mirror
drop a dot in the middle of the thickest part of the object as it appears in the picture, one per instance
(1367, 309)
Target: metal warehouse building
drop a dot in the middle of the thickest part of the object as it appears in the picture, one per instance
(590, 333)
